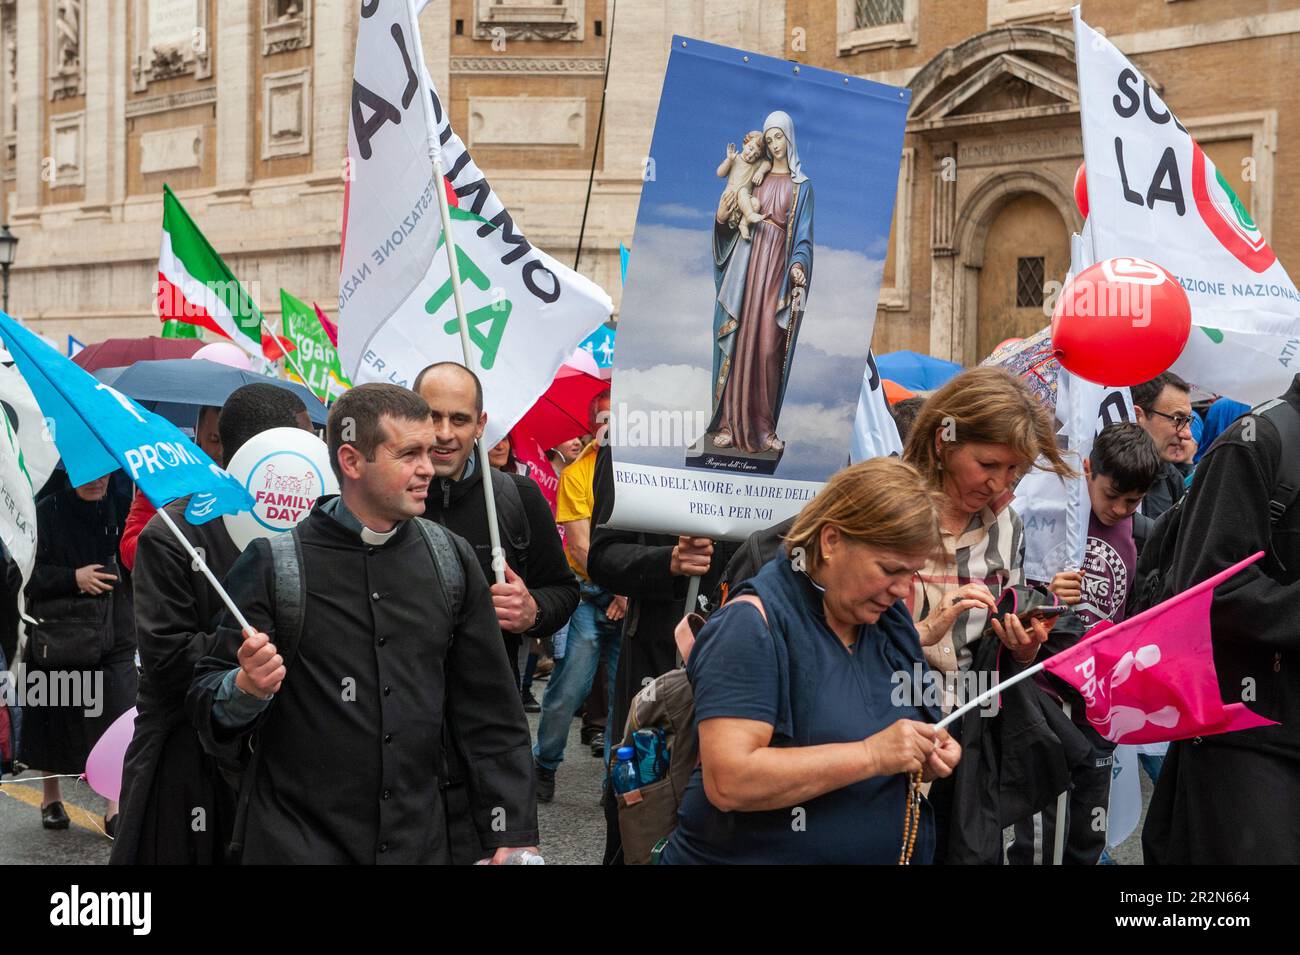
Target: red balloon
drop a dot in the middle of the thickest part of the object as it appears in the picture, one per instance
(1081, 191)
(1121, 322)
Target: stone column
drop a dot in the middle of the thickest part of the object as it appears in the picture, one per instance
(119, 46)
(31, 111)
(334, 47)
(435, 37)
(236, 25)
(945, 335)
(100, 54)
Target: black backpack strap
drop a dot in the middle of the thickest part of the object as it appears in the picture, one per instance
(451, 573)
(1286, 485)
(290, 601)
(511, 516)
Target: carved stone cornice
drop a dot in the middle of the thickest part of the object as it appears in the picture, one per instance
(516, 65)
(161, 104)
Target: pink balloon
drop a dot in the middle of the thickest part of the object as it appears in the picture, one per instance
(225, 353)
(104, 765)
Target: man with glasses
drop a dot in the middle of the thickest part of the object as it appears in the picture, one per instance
(1164, 408)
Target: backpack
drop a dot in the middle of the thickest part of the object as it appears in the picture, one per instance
(290, 593)
(648, 816)
(1151, 583)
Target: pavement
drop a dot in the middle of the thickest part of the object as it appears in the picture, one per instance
(572, 827)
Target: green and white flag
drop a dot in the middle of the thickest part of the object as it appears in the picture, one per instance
(314, 354)
(526, 311)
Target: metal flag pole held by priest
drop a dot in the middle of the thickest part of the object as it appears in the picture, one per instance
(435, 155)
(98, 430)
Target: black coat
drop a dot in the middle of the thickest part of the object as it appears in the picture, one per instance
(167, 775)
(1253, 618)
(459, 507)
(1013, 764)
(72, 533)
(637, 566)
(351, 743)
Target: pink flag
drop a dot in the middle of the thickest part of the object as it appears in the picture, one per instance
(529, 452)
(331, 330)
(1151, 679)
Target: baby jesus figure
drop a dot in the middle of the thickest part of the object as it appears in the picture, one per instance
(743, 172)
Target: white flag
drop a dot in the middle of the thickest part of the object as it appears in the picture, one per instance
(526, 312)
(390, 209)
(17, 487)
(875, 435)
(1153, 193)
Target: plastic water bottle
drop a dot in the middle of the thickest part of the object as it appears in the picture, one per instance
(517, 857)
(625, 777)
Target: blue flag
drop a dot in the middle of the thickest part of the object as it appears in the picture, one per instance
(98, 430)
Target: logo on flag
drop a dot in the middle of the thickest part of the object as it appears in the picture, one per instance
(1235, 229)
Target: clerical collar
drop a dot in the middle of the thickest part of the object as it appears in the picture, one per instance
(340, 512)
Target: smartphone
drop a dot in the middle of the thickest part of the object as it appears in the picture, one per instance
(1040, 613)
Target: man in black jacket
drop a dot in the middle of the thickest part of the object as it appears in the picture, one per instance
(176, 807)
(653, 571)
(390, 634)
(1231, 798)
(540, 592)
(1163, 407)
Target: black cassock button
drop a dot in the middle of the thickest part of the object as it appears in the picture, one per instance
(375, 595)
(383, 847)
(382, 641)
(387, 793)
(388, 737)
(387, 690)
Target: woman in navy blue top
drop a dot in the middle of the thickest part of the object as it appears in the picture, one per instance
(809, 699)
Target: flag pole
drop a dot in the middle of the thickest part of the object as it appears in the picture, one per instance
(202, 565)
(991, 691)
(1058, 850)
(288, 357)
(435, 154)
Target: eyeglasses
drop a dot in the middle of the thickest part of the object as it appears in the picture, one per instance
(1180, 420)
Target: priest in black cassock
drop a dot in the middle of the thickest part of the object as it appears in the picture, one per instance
(347, 724)
(176, 807)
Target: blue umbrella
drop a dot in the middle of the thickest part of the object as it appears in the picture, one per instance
(176, 388)
(914, 371)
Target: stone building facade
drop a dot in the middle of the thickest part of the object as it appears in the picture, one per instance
(244, 113)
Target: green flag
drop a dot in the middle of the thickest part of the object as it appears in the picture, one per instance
(175, 329)
(317, 358)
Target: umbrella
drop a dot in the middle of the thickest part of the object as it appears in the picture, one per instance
(561, 413)
(117, 352)
(914, 371)
(1033, 360)
(178, 387)
(894, 392)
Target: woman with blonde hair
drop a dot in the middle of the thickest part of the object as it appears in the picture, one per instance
(814, 738)
(973, 440)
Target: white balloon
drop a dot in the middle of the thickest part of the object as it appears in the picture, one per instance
(285, 470)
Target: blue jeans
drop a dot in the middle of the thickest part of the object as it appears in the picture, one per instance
(593, 637)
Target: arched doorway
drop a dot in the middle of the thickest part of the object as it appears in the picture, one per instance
(1026, 245)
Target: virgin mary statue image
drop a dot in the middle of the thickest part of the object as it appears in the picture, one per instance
(762, 286)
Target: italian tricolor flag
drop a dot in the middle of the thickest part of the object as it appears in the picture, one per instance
(196, 288)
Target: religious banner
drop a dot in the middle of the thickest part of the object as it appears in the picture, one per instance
(760, 245)
(1153, 193)
(875, 434)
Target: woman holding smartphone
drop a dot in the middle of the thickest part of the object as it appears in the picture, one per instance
(973, 440)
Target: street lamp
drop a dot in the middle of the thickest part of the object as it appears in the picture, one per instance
(8, 248)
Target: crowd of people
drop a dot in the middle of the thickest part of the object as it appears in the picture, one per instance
(376, 708)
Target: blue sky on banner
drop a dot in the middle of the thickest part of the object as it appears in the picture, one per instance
(98, 430)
